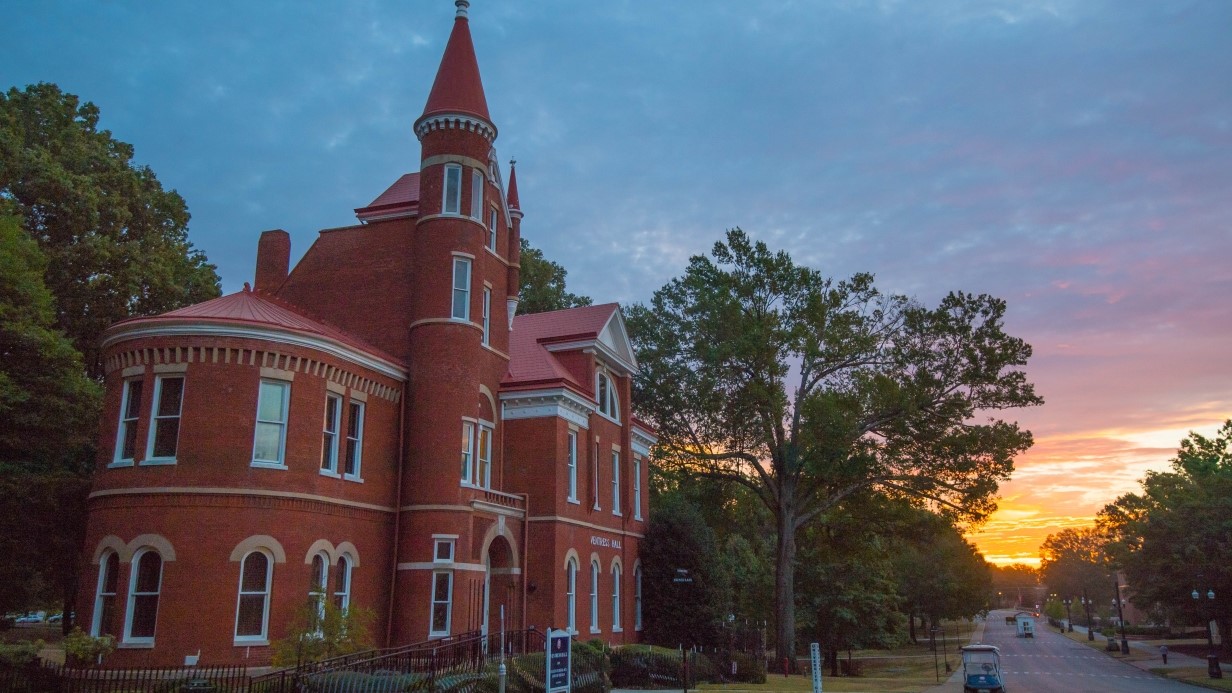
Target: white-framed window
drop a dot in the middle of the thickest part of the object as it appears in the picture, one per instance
(442, 551)
(594, 596)
(468, 452)
(483, 475)
(318, 587)
(329, 437)
(492, 229)
(487, 314)
(615, 482)
(252, 604)
(594, 476)
(104, 622)
(144, 585)
(342, 583)
(637, 597)
(270, 440)
(354, 440)
(442, 603)
(637, 487)
(616, 597)
(571, 461)
(165, 419)
(605, 395)
(461, 289)
(130, 411)
(452, 202)
(477, 195)
(571, 570)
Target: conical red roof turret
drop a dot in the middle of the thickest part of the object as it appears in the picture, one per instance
(458, 88)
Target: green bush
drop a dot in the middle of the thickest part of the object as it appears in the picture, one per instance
(19, 653)
(749, 668)
(85, 649)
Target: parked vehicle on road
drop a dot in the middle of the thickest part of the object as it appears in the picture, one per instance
(982, 669)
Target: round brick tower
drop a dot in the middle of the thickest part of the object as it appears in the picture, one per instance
(459, 335)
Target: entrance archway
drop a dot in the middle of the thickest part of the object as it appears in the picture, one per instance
(500, 586)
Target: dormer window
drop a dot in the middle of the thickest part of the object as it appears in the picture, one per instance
(605, 394)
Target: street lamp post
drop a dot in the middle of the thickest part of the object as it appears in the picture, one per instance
(1212, 659)
(1116, 600)
(1069, 620)
(1086, 605)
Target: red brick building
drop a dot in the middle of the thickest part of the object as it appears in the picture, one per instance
(372, 427)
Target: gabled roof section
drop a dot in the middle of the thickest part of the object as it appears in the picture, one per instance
(535, 339)
(399, 200)
(458, 87)
(248, 311)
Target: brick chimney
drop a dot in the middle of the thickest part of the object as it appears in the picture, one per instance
(273, 260)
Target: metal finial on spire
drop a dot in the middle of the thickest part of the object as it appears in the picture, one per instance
(462, 5)
(513, 162)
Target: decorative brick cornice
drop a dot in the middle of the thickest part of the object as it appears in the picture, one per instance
(249, 358)
(238, 498)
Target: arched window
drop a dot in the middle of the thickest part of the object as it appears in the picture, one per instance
(571, 569)
(252, 609)
(105, 595)
(144, 586)
(594, 596)
(342, 583)
(318, 587)
(637, 597)
(615, 596)
(605, 395)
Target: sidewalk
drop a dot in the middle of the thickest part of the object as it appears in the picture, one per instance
(1176, 660)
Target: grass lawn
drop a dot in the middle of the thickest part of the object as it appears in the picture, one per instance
(906, 669)
(1196, 676)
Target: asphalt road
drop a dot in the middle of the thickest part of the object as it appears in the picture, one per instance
(1050, 662)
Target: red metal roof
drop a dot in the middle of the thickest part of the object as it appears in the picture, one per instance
(400, 198)
(258, 310)
(530, 363)
(458, 88)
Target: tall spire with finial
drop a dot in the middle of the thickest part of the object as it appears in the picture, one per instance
(458, 88)
(511, 198)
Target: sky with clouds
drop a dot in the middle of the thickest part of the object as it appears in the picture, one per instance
(1073, 158)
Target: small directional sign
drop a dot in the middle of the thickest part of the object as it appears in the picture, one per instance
(682, 575)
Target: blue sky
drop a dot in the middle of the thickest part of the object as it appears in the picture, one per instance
(1074, 158)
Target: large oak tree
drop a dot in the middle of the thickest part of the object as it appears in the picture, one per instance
(762, 372)
(116, 243)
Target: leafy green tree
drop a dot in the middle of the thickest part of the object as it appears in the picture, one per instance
(543, 284)
(682, 613)
(847, 591)
(48, 407)
(116, 243)
(761, 372)
(1074, 563)
(1176, 535)
(1015, 584)
(48, 414)
(939, 574)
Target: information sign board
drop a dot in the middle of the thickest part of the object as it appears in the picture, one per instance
(559, 661)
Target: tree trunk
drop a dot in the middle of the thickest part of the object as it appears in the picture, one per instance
(911, 628)
(784, 587)
(832, 655)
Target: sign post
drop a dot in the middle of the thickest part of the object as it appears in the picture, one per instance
(559, 662)
(815, 655)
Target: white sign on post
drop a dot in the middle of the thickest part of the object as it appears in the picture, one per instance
(559, 661)
(815, 655)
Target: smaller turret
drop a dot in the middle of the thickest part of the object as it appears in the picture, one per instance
(515, 242)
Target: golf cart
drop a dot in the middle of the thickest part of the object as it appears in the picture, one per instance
(982, 669)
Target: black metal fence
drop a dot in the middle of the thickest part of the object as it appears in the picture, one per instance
(39, 677)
